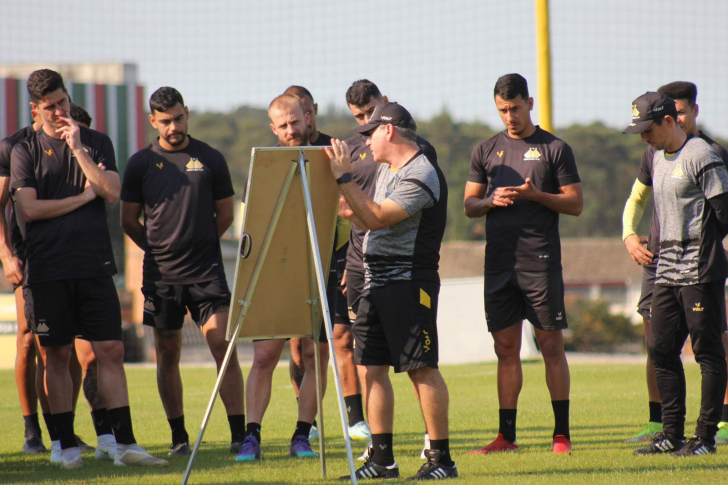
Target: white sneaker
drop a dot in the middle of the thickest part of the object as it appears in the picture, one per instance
(360, 431)
(71, 458)
(56, 451)
(427, 446)
(367, 453)
(135, 455)
(313, 434)
(106, 447)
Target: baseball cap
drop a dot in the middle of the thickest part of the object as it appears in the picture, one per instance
(388, 114)
(648, 107)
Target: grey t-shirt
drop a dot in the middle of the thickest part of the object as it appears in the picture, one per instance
(410, 249)
(691, 250)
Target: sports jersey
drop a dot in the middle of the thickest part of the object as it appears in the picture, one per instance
(75, 245)
(691, 249)
(17, 225)
(523, 236)
(645, 177)
(178, 191)
(323, 140)
(364, 173)
(409, 249)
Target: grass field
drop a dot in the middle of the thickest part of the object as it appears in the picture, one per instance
(608, 404)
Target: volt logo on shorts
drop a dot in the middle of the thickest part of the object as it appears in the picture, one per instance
(428, 340)
(149, 305)
(559, 316)
(698, 307)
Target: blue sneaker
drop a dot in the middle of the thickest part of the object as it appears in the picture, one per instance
(360, 431)
(301, 448)
(250, 450)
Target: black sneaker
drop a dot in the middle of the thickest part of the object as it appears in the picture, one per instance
(83, 445)
(433, 469)
(371, 470)
(695, 446)
(235, 447)
(179, 449)
(34, 445)
(660, 444)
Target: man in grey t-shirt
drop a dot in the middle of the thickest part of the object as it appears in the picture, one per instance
(396, 321)
(690, 185)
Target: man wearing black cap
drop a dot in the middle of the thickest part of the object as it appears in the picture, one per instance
(685, 96)
(690, 185)
(522, 179)
(396, 321)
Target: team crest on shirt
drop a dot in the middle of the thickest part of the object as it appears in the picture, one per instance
(363, 155)
(532, 154)
(194, 165)
(160, 165)
(500, 154)
(677, 173)
(49, 152)
(42, 326)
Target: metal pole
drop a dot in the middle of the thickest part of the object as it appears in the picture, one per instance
(325, 310)
(543, 60)
(245, 304)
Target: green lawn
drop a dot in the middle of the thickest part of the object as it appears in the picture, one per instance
(608, 404)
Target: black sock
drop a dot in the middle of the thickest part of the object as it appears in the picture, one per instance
(52, 434)
(561, 418)
(102, 422)
(64, 426)
(179, 432)
(724, 416)
(254, 430)
(121, 424)
(302, 429)
(314, 423)
(507, 424)
(382, 453)
(237, 427)
(444, 447)
(655, 412)
(32, 426)
(354, 409)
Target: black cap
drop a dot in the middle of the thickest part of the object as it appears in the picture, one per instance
(648, 107)
(388, 114)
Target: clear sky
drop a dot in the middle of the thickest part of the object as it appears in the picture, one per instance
(429, 55)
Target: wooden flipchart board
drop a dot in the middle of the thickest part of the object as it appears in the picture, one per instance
(281, 305)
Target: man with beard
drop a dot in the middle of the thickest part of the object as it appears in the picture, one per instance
(183, 187)
(289, 122)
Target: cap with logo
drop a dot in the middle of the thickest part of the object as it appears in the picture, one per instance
(647, 108)
(388, 114)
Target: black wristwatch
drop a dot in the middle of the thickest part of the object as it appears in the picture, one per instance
(346, 178)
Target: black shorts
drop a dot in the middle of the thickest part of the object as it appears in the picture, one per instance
(59, 311)
(341, 313)
(354, 289)
(397, 325)
(511, 296)
(165, 306)
(644, 307)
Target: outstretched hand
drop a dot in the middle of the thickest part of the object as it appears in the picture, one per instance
(338, 154)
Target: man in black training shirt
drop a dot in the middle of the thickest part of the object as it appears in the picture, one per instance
(289, 122)
(361, 98)
(685, 96)
(61, 177)
(396, 325)
(521, 179)
(183, 188)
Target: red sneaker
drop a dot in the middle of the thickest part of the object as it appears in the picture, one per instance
(562, 445)
(499, 445)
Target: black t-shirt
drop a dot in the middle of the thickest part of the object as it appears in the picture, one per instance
(75, 245)
(525, 235)
(323, 140)
(364, 173)
(178, 191)
(17, 225)
(645, 177)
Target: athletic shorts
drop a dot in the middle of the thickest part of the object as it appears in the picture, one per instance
(397, 326)
(165, 306)
(511, 296)
(354, 289)
(59, 311)
(341, 312)
(644, 307)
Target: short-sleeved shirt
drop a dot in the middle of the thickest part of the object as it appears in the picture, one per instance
(364, 173)
(645, 177)
(525, 235)
(323, 140)
(410, 249)
(75, 245)
(17, 225)
(691, 248)
(178, 191)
